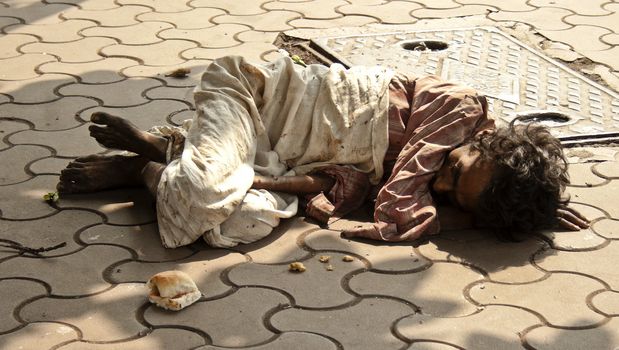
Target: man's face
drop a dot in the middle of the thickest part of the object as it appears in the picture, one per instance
(463, 177)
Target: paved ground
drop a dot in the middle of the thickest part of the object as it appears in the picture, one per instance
(60, 60)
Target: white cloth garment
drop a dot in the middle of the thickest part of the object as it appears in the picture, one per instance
(273, 119)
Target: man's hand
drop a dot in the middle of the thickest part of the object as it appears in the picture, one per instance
(571, 219)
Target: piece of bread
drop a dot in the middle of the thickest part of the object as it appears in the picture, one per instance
(172, 290)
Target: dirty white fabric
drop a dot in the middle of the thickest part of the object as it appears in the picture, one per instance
(274, 119)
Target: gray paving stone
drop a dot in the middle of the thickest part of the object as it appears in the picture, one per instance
(56, 32)
(425, 288)
(607, 302)
(55, 115)
(205, 268)
(132, 89)
(13, 292)
(547, 297)
(317, 287)
(600, 196)
(143, 239)
(44, 334)
(581, 175)
(68, 143)
(25, 199)
(366, 325)
(165, 338)
(107, 316)
(49, 165)
(607, 228)
(36, 90)
(76, 274)
(50, 231)
(83, 50)
(9, 126)
(289, 340)
(495, 327)
(602, 337)
(234, 321)
(113, 17)
(608, 170)
(137, 34)
(102, 71)
(16, 159)
(143, 116)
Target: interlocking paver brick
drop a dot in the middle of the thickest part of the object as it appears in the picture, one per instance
(289, 340)
(573, 37)
(346, 21)
(425, 288)
(159, 5)
(439, 4)
(56, 115)
(610, 39)
(25, 199)
(607, 302)
(179, 117)
(164, 53)
(590, 8)
(35, 12)
(9, 126)
(221, 35)
(234, 321)
(95, 72)
(384, 257)
(494, 327)
(83, 50)
(503, 261)
(595, 263)
(609, 170)
(121, 207)
(106, 316)
(137, 34)
(115, 17)
(132, 89)
(197, 67)
(247, 7)
(23, 67)
(13, 292)
(543, 18)
(36, 90)
(257, 36)
(599, 196)
(601, 337)
(82, 270)
(67, 143)
(164, 338)
(252, 51)
(50, 231)
(548, 297)
(281, 245)
(171, 93)
(315, 9)
(607, 228)
(462, 11)
(44, 334)
(271, 21)
(143, 239)
(15, 160)
(193, 19)
(502, 5)
(609, 19)
(47, 166)
(10, 44)
(577, 240)
(391, 12)
(315, 288)
(143, 116)
(5, 22)
(581, 175)
(88, 5)
(366, 325)
(54, 33)
(204, 267)
(597, 54)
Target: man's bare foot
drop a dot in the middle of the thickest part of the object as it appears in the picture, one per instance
(119, 133)
(97, 172)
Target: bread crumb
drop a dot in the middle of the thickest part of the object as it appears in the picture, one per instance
(296, 267)
(348, 258)
(329, 267)
(324, 258)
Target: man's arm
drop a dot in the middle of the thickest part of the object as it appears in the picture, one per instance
(301, 184)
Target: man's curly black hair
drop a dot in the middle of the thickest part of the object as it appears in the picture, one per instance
(530, 174)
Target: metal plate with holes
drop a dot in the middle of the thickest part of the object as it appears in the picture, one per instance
(517, 79)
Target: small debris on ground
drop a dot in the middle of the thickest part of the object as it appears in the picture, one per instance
(296, 267)
(348, 258)
(51, 197)
(298, 60)
(179, 73)
(324, 258)
(329, 267)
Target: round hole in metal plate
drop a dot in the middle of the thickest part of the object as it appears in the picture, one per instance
(424, 45)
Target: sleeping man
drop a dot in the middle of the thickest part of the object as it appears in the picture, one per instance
(265, 135)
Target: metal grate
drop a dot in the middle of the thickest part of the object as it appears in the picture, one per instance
(517, 79)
